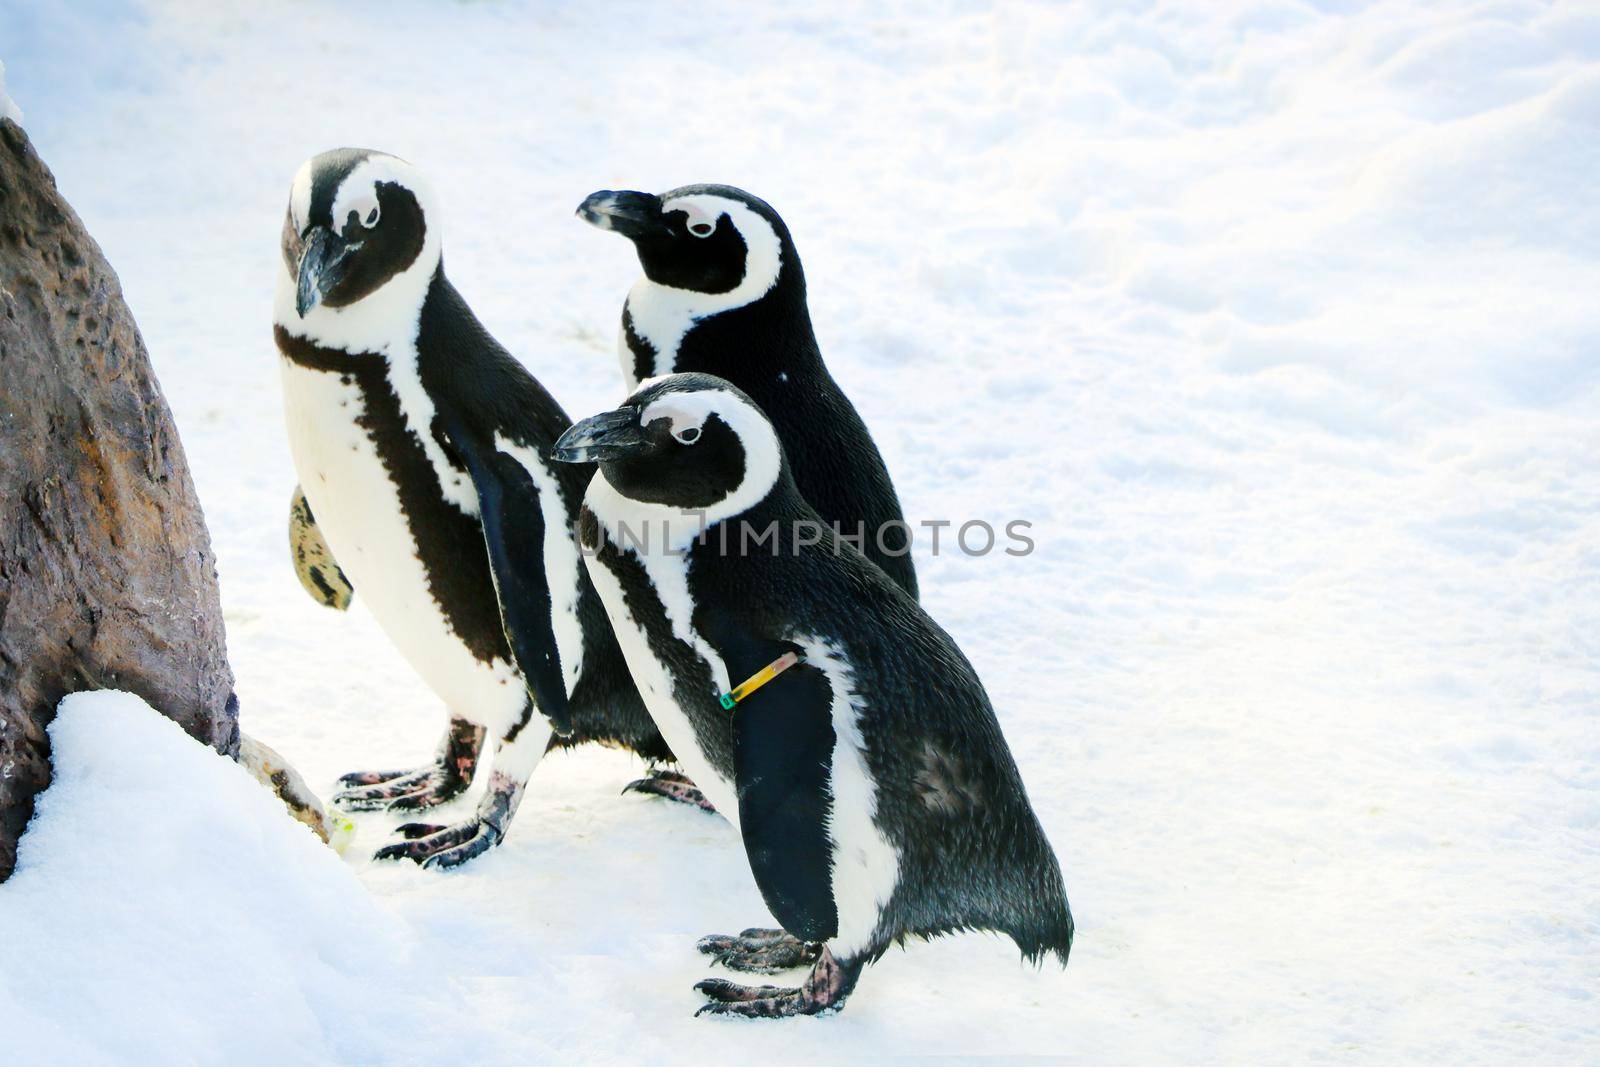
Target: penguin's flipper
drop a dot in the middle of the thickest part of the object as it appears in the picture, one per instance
(314, 564)
(783, 751)
(514, 531)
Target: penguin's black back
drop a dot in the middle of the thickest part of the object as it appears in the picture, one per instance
(837, 465)
(949, 797)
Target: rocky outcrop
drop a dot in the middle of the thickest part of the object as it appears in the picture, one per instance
(107, 580)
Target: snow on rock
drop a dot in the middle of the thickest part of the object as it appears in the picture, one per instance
(167, 909)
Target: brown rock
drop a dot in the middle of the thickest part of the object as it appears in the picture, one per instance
(107, 580)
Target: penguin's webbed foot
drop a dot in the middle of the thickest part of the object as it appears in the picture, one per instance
(823, 993)
(432, 845)
(440, 782)
(673, 786)
(759, 951)
(399, 790)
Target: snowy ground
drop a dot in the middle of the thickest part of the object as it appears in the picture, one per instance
(1278, 321)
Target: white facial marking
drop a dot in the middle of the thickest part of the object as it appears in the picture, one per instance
(662, 314)
(358, 195)
(365, 208)
(684, 422)
(701, 223)
(561, 562)
(866, 866)
(300, 196)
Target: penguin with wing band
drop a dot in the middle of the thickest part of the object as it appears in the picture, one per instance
(816, 704)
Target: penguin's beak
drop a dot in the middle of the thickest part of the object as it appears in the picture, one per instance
(323, 265)
(607, 436)
(632, 214)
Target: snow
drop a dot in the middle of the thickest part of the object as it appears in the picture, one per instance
(1276, 319)
(165, 898)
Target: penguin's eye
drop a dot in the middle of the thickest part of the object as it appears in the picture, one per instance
(364, 210)
(688, 435)
(702, 229)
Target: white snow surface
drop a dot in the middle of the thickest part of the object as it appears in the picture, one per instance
(1276, 319)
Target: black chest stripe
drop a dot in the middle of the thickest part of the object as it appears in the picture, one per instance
(449, 542)
(694, 690)
(644, 353)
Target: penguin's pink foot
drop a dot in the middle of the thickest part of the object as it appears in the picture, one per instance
(433, 845)
(823, 992)
(400, 790)
(441, 781)
(673, 786)
(759, 951)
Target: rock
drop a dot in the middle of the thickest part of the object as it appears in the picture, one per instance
(107, 579)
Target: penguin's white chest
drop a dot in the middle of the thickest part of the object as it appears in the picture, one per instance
(660, 318)
(357, 506)
(655, 680)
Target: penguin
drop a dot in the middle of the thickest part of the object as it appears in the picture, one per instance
(723, 293)
(812, 699)
(422, 451)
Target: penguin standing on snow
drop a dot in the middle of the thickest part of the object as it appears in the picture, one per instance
(421, 447)
(810, 697)
(723, 293)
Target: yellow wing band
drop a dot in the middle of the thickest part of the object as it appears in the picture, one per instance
(758, 679)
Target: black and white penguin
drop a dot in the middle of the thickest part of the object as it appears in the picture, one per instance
(723, 293)
(810, 697)
(422, 448)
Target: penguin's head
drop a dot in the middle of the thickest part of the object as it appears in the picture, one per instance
(714, 240)
(687, 442)
(359, 223)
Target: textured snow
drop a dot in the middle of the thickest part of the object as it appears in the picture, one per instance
(1276, 319)
(166, 910)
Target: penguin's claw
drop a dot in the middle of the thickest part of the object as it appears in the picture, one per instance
(441, 846)
(823, 992)
(413, 830)
(755, 1002)
(726, 992)
(673, 786)
(399, 790)
(357, 778)
(759, 951)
